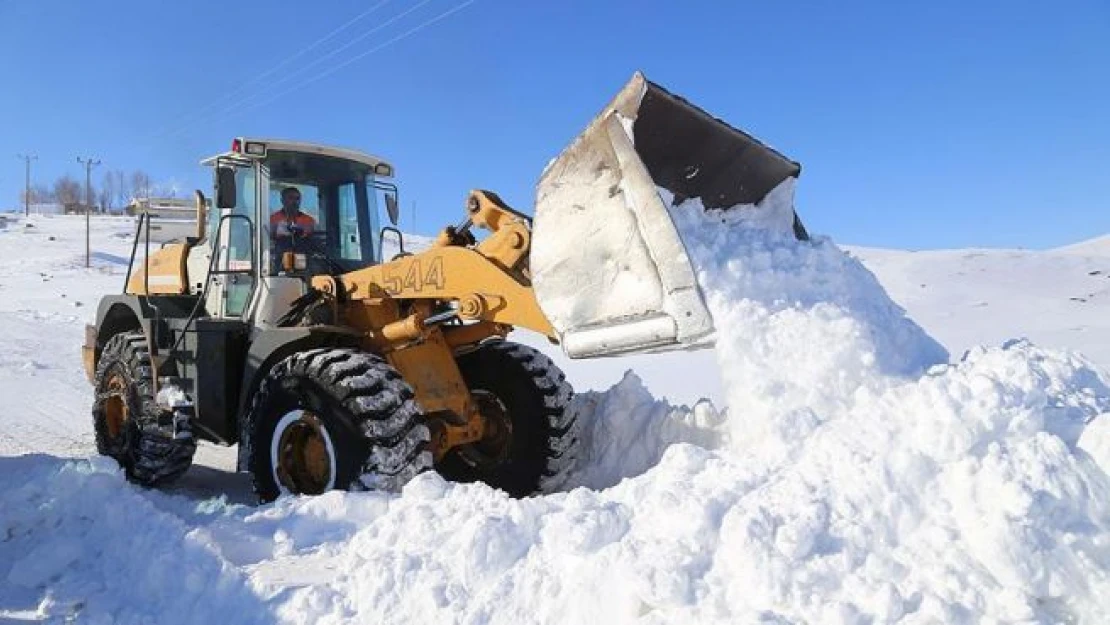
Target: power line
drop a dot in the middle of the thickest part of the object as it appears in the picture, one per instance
(239, 106)
(357, 57)
(199, 113)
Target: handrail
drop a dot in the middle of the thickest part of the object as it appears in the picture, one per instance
(146, 260)
(143, 227)
(134, 248)
(253, 259)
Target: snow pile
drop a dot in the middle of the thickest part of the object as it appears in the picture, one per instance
(877, 494)
(626, 430)
(1095, 441)
(801, 326)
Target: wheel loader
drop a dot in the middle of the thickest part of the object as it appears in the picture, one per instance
(335, 364)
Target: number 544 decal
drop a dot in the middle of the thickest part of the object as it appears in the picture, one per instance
(415, 279)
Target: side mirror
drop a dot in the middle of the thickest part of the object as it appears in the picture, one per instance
(225, 187)
(391, 208)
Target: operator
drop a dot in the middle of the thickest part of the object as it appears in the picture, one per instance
(290, 221)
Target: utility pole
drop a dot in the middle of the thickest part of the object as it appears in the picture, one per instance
(27, 158)
(89, 163)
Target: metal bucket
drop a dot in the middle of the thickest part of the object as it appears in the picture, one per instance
(608, 266)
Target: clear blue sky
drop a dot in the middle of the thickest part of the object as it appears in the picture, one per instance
(918, 124)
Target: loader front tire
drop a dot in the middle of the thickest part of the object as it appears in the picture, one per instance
(531, 441)
(328, 419)
(128, 424)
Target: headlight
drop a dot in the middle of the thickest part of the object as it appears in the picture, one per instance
(254, 148)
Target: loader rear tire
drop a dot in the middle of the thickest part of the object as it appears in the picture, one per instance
(328, 419)
(532, 436)
(128, 424)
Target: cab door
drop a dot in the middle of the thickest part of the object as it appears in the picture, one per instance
(236, 271)
(276, 291)
(219, 342)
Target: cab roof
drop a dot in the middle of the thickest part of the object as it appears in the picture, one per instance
(239, 151)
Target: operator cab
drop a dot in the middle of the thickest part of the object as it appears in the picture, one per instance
(327, 223)
(341, 193)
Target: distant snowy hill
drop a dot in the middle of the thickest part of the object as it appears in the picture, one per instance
(1098, 246)
(1058, 298)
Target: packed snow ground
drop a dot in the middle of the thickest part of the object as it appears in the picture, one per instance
(844, 472)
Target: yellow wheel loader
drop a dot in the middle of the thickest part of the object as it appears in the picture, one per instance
(284, 326)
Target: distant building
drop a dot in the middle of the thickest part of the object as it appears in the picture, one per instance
(171, 219)
(165, 208)
(76, 208)
(46, 208)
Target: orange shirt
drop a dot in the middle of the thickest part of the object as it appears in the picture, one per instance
(279, 223)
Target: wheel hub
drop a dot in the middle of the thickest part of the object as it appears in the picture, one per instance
(115, 405)
(303, 459)
(497, 438)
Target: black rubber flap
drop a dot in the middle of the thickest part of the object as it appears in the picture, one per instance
(695, 155)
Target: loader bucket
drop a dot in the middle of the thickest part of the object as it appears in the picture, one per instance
(609, 269)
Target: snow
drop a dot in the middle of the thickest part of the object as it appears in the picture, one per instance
(845, 472)
(963, 298)
(969, 297)
(626, 431)
(1095, 441)
(171, 396)
(1098, 246)
(80, 544)
(869, 477)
